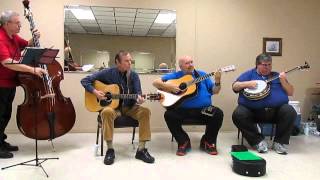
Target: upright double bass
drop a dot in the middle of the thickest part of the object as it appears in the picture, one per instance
(45, 113)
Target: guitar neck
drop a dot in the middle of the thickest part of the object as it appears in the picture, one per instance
(125, 96)
(201, 78)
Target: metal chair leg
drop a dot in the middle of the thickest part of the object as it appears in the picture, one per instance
(98, 129)
(241, 139)
(133, 134)
(238, 133)
(272, 132)
(101, 141)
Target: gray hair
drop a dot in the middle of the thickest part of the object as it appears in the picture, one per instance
(263, 57)
(6, 16)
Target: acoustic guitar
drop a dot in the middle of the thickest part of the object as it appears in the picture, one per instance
(187, 86)
(113, 97)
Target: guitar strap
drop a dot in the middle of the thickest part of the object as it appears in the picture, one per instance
(196, 74)
(128, 81)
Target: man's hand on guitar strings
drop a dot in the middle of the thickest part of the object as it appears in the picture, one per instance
(100, 95)
(140, 100)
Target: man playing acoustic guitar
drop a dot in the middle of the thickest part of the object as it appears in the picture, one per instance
(270, 108)
(197, 107)
(123, 76)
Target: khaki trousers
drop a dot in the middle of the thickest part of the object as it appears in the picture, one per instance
(140, 113)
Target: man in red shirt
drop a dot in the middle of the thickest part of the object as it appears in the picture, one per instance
(11, 46)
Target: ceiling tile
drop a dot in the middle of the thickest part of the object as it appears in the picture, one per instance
(106, 21)
(128, 21)
(122, 14)
(87, 21)
(155, 32)
(70, 20)
(100, 8)
(90, 24)
(124, 18)
(144, 20)
(103, 13)
(148, 11)
(125, 23)
(72, 24)
(124, 29)
(124, 26)
(125, 10)
(158, 27)
(143, 23)
(107, 25)
(146, 16)
(92, 29)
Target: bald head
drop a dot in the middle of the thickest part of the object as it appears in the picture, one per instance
(186, 64)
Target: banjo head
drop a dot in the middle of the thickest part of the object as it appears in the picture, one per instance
(261, 85)
(261, 91)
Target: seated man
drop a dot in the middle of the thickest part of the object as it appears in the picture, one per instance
(130, 82)
(274, 108)
(193, 107)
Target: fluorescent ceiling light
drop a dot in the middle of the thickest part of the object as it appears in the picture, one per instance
(144, 53)
(165, 18)
(82, 14)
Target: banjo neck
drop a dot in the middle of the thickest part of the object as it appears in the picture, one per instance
(276, 77)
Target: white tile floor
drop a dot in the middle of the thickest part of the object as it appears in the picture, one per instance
(77, 160)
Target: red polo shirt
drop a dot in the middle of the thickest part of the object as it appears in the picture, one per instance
(9, 48)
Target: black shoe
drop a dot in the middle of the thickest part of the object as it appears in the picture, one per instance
(144, 156)
(183, 148)
(4, 154)
(109, 158)
(208, 148)
(9, 147)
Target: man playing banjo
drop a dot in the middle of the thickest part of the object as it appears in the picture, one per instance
(261, 102)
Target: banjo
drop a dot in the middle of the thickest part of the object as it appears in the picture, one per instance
(262, 89)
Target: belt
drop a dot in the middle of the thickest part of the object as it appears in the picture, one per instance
(268, 109)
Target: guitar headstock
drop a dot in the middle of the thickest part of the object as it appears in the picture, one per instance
(154, 96)
(304, 67)
(228, 68)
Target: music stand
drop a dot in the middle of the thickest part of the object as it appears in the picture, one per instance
(35, 56)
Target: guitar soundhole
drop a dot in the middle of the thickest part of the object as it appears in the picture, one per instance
(182, 86)
(107, 101)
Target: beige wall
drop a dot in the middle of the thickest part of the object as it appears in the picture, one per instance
(162, 48)
(216, 33)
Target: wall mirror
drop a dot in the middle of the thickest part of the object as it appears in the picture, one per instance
(94, 34)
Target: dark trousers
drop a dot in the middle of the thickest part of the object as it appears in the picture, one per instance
(175, 117)
(6, 99)
(246, 120)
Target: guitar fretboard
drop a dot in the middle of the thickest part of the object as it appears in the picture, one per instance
(199, 79)
(124, 96)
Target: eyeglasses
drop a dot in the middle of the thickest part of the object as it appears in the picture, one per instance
(16, 23)
(265, 65)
